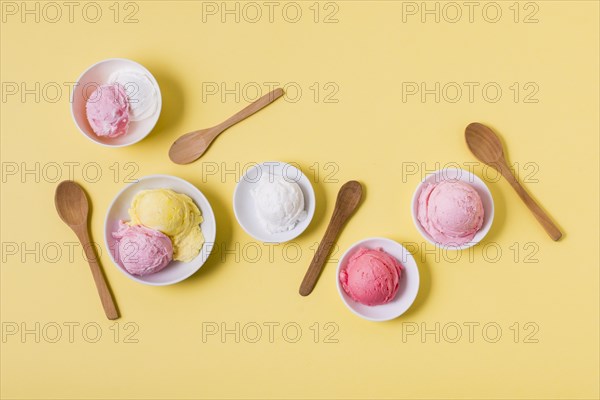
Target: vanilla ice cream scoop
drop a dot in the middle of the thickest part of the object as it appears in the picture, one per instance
(175, 215)
(141, 92)
(279, 203)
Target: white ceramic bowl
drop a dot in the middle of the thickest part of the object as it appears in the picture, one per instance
(176, 271)
(245, 209)
(408, 287)
(467, 177)
(89, 81)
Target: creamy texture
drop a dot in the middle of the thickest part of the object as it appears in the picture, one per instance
(107, 111)
(175, 215)
(142, 250)
(371, 277)
(450, 211)
(142, 95)
(279, 203)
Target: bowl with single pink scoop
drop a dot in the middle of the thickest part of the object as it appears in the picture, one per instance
(453, 209)
(377, 279)
(116, 102)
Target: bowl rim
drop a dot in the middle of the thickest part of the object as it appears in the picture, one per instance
(341, 291)
(310, 213)
(110, 207)
(158, 110)
(471, 178)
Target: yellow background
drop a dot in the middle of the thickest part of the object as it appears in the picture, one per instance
(371, 135)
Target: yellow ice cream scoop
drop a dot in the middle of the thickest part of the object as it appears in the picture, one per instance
(175, 215)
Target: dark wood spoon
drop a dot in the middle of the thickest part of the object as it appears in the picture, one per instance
(347, 200)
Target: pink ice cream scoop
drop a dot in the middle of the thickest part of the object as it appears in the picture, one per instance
(142, 250)
(371, 277)
(107, 111)
(450, 211)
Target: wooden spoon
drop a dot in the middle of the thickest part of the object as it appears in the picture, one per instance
(191, 146)
(347, 200)
(72, 206)
(487, 148)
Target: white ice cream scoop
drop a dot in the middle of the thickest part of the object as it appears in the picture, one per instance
(142, 95)
(279, 203)
(287, 204)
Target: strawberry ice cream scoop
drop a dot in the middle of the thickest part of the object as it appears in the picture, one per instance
(450, 211)
(371, 277)
(142, 250)
(107, 111)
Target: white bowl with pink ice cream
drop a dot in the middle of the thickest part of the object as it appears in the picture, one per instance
(453, 208)
(116, 102)
(377, 279)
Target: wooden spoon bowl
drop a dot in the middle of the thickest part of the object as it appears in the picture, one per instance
(486, 148)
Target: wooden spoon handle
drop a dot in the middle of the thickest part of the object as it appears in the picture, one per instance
(533, 206)
(318, 261)
(105, 295)
(251, 109)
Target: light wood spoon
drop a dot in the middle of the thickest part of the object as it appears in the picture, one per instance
(191, 146)
(487, 148)
(347, 200)
(73, 208)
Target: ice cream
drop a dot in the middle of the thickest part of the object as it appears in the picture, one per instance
(450, 211)
(173, 214)
(107, 111)
(141, 92)
(279, 203)
(142, 250)
(371, 277)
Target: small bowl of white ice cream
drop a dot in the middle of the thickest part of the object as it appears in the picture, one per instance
(274, 202)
